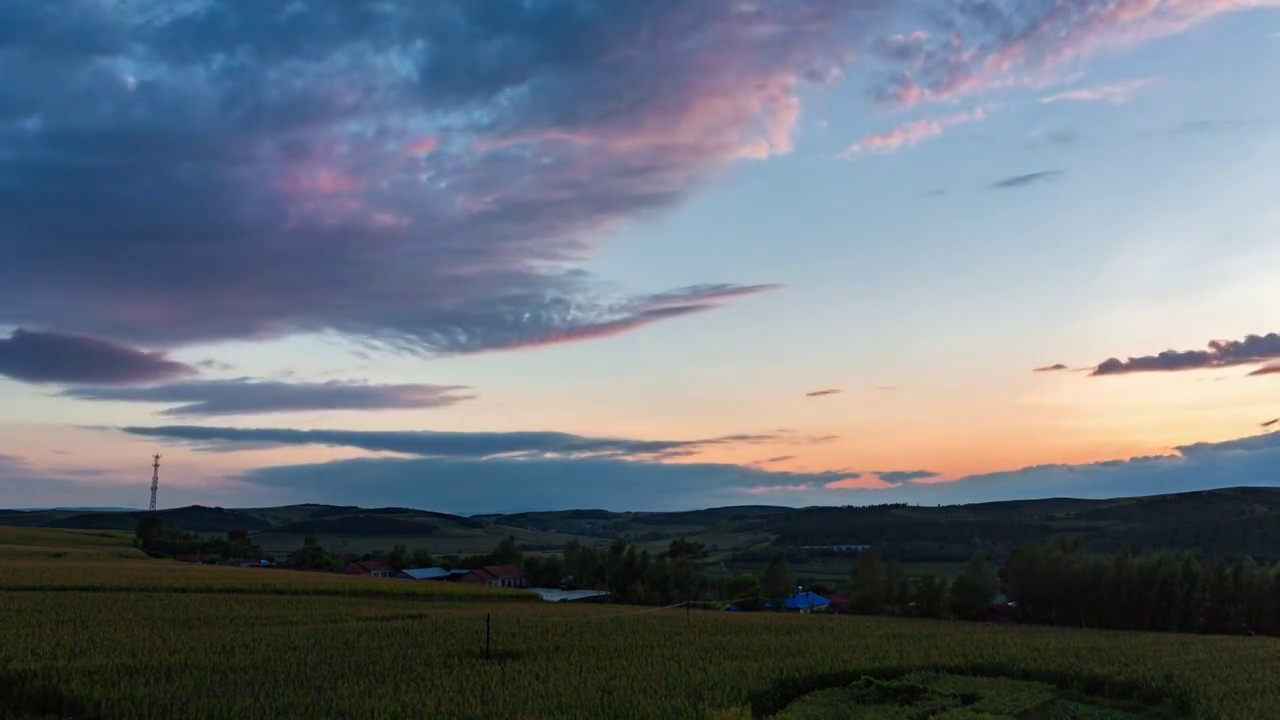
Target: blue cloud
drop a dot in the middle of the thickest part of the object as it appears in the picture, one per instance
(475, 445)
(470, 486)
(245, 396)
(557, 470)
(42, 357)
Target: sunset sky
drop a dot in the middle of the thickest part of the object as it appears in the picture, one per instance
(478, 256)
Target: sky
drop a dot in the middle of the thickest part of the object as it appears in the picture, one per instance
(502, 256)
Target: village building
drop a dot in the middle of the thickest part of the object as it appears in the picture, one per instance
(370, 568)
(506, 576)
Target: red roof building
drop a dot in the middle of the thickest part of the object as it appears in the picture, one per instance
(839, 603)
(370, 568)
(509, 576)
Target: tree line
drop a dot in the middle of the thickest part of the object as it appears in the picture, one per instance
(1061, 584)
(1050, 583)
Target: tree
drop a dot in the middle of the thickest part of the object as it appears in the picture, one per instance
(744, 591)
(398, 558)
(311, 556)
(507, 552)
(422, 559)
(776, 584)
(975, 589)
(928, 598)
(684, 556)
(868, 584)
(896, 590)
(150, 529)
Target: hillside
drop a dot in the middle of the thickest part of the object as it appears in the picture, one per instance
(1225, 523)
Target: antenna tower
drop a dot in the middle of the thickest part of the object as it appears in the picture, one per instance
(155, 479)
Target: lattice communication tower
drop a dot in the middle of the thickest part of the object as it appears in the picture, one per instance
(155, 479)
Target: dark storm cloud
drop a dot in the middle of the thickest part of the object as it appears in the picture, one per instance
(40, 357)
(246, 396)
(426, 174)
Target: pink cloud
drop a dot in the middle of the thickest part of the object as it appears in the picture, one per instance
(422, 146)
(911, 133)
(1118, 93)
(1027, 44)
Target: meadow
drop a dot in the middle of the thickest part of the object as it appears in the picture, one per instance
(123, 638)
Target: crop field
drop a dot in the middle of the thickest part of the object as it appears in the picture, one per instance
(153, 639)
(50, 543)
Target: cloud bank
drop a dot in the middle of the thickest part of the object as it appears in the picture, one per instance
(500, 472)
(475, 445)
(433, 175)
(42, 357)
(1252, 350)
(429, 175)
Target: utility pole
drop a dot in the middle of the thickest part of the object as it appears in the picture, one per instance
(155, 479)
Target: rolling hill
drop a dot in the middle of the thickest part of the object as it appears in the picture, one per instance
(1225, 523)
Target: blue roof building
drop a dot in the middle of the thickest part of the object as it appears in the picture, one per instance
(426, 573)
(805, 602)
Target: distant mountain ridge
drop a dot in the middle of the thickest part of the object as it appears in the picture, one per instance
(1228, 522)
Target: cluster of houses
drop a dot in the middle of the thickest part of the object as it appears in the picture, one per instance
(501, 576)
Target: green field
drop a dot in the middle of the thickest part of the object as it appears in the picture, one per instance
(91, 638)
(47, 543)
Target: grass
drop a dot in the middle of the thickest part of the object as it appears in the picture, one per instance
(153, 639)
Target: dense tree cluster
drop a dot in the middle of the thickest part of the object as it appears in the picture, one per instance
(153, 538)
(630, 574)
(1060, 584)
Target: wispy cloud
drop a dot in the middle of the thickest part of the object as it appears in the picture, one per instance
(986, 45)
(898, 477)
(246, 396)
(43, 357)
(1253, 349)
(1018, 181)
(476, 445)
(1117, 93)
(911, 133)
(1051, 368)
(823, 393)
(1267, 370)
